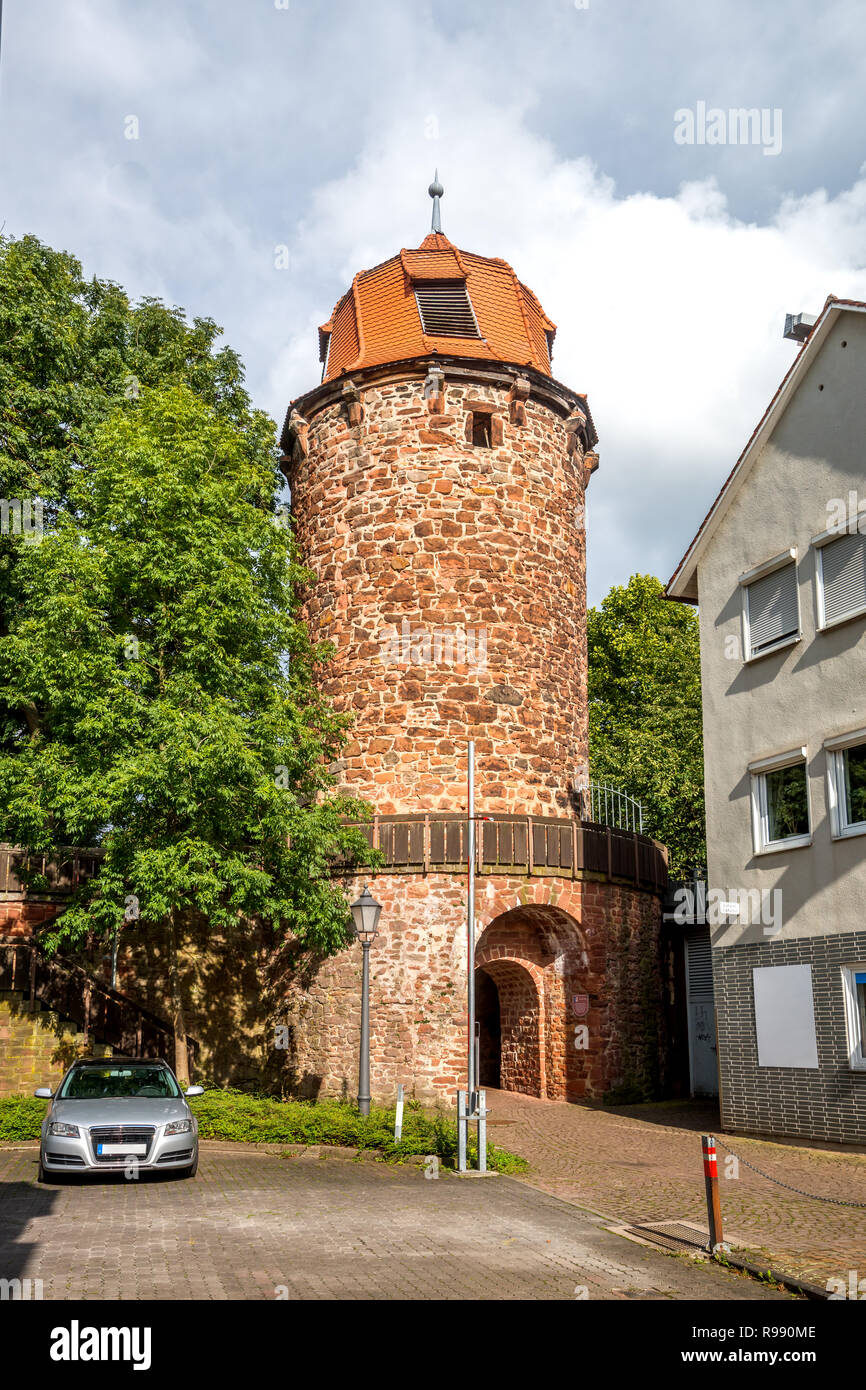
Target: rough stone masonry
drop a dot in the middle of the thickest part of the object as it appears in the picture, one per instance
(439, 501)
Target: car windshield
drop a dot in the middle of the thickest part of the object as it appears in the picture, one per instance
(115, 1081)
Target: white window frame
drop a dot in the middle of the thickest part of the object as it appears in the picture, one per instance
(856, 1041)
(778, 562)
(758, 770)
(835, 750)
(835, 533)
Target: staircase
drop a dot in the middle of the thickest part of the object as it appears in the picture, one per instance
(52, 1011)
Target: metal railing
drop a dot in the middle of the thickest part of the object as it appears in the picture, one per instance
(606, 804)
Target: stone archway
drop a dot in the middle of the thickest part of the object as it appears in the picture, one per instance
(530, 955)
(518, 1053)
(488, 1017)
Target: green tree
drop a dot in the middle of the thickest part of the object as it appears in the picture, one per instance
(645, 731)
(157, 684)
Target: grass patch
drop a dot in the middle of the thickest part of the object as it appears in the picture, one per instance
(251, 1119)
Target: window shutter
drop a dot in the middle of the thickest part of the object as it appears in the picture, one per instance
(773, 613)
(699, 967)
(445, 309)
(843, 567)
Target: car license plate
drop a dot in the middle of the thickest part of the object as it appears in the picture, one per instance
(121, 1149)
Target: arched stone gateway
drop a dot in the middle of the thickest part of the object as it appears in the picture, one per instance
(514, 1060)
(529, 955)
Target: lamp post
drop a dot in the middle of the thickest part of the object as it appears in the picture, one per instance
(365, 915)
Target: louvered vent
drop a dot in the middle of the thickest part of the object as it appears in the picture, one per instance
(773, 613)
(446, 310)
(699, 968)
(843, 566)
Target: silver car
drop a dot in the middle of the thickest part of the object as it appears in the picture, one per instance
(119, 1114)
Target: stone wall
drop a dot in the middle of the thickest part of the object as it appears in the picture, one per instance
(451, 578)
(35, 1047)
(541, 941)
(265, 1015)
(23, 918)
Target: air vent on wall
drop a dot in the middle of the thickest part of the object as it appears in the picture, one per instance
(446, 310)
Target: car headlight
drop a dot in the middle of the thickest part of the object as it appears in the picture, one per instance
(179, 1127)
(66, 1131)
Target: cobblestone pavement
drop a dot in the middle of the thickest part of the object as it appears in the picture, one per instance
(324, 1227)
(643, 1163)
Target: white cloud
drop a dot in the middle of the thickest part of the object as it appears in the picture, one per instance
(320, 126)
(670, 310)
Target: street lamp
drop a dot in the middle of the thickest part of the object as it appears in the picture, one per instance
(365, 915)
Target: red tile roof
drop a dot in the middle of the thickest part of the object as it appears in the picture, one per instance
(377, 320)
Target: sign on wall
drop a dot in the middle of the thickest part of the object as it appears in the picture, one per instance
(785, 1016)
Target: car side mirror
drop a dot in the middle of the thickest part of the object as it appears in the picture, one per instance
(44, 1093)
(195, 1090)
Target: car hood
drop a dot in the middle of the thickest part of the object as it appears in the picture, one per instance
(122, 1111)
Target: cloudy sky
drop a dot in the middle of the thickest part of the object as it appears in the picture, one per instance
(315, 125)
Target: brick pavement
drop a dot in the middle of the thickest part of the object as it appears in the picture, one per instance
(643, 1163)
(324, 1227)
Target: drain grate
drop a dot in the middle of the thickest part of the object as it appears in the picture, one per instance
(673, 1235)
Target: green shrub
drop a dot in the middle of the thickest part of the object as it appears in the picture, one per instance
(253, 1119)
(248, 1118)
(21, 1117)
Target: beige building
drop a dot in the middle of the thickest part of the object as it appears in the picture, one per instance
(778, 569)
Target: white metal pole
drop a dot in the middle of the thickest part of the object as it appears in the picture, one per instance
(470, 927)
(398, 1116)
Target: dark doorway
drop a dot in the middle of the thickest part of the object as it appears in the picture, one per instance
(487, 1015)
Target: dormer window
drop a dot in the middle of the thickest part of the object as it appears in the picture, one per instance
(446, 309)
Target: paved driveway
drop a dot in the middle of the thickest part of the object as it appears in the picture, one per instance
(324, 1227)
(643, 1163)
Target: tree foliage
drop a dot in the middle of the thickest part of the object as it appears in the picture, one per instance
(645, 729)
(157, 684)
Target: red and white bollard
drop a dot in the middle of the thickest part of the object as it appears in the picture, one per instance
(711, 1182)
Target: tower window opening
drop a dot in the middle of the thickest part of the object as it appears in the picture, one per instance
(481, 430)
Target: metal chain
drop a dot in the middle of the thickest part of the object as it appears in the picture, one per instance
(836, 1201)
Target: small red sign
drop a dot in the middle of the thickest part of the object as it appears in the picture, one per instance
(580, 1005)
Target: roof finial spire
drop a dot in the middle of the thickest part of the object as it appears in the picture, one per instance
(436, 191)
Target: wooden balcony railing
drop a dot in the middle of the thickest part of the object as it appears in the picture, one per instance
(535, 846)
(64, 871)
(519, 845)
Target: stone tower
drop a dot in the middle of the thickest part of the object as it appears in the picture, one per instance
(438, 474)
